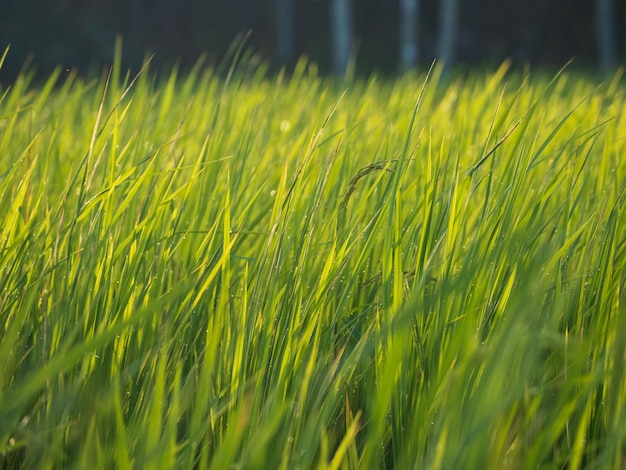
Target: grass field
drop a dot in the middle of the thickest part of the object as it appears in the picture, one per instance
(252, 271)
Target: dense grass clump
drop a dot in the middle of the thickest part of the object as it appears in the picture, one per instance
(253, 272)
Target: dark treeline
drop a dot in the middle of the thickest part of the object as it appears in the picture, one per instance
(382, 35)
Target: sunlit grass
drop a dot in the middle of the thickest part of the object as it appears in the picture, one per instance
(286, 272)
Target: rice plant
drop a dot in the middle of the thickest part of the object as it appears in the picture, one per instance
(281, 271)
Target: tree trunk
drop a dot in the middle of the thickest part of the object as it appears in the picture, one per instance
(168, 25)
(448, 23)
(341, 26)
(137, 14)
(605, 35)
(284, 31)
(409, 24)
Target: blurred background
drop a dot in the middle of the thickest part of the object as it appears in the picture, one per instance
(363, 36)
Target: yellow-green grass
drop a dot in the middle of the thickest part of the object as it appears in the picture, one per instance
(259, 271)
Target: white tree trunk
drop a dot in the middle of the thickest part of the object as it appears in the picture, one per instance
(284, 31)
(409, 21)
(448, 23)
(605, 34)
(341, 30)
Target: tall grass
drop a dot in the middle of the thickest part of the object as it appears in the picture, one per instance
(252, 272)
